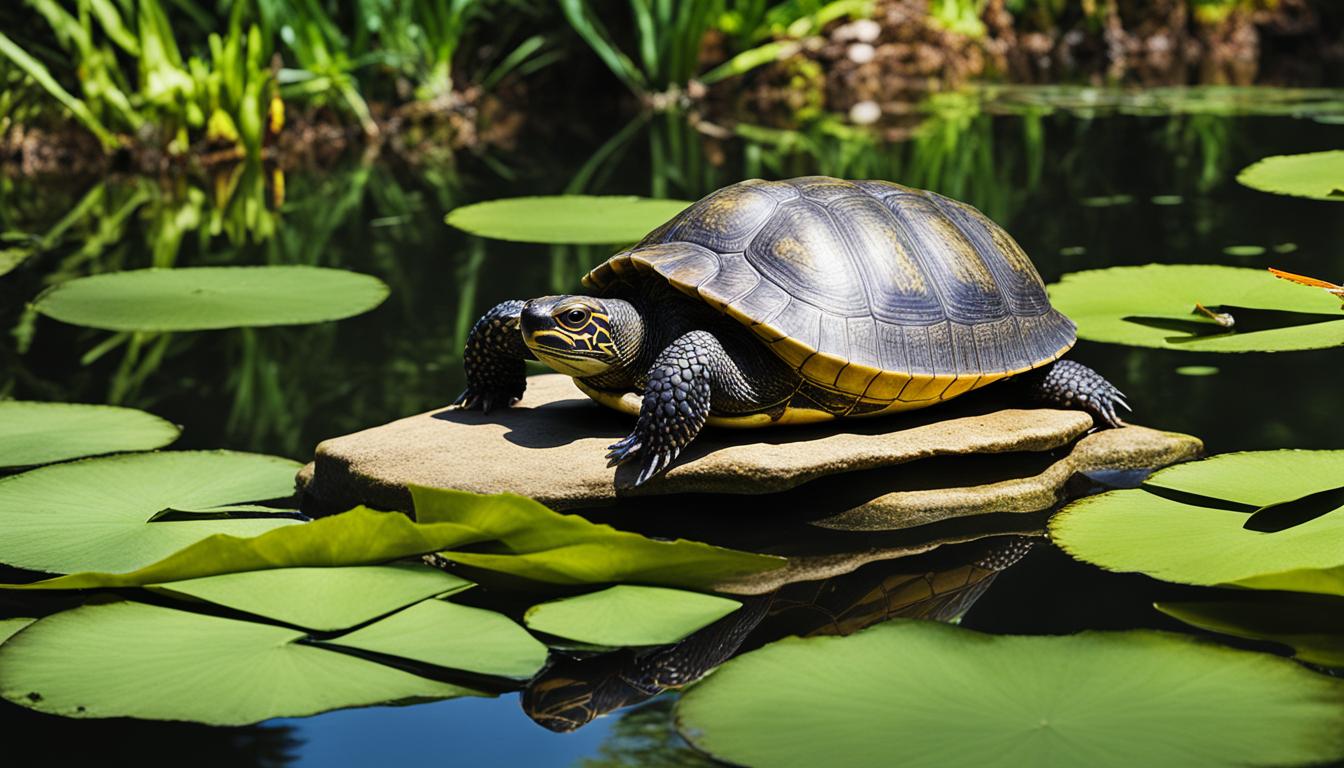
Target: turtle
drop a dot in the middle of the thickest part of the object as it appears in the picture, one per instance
(787, 302)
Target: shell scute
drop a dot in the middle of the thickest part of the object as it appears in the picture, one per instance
(801, 251)
(725, 221)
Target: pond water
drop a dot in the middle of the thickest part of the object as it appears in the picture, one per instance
(1093, 183)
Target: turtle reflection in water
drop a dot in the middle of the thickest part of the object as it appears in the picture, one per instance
(940, 586)
(791, 302)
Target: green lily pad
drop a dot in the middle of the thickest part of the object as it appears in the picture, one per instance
(1166, 200)
(1154, 306)
(1244, 250)
(1198, 370)
(360, 536)
(322, 598)
(96, 514)
(629, 615)
(11, 627)
(566, 219)
(202, 298)
(453, 636)
(1187, 524)
(1318, 175)
(530, 541)
(510, 534)
(135, 660)
(41, 433)
(928, 694)
(1312, 625)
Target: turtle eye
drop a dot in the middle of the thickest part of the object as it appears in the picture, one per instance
(575, 317)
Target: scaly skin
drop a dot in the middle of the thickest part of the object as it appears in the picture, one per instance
(677, 402)
(494, 359)
(1072, 385)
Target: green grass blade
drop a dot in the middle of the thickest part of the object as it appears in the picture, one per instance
(750, 59)
(36, 70)
(601, 43)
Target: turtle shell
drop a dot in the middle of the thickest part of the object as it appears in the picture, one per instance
(882, 296)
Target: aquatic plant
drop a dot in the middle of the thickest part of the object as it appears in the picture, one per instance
(668, 37)
(952, 696)
(1198, 308)
(223, 97)
(33, 433)
(1263, 519)
(567, 219)
(629, 614)
(1317, 175)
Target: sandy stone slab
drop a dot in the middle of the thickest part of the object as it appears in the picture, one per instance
(1111, 450)
(551, 447)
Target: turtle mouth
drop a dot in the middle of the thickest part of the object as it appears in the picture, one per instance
(562, 352)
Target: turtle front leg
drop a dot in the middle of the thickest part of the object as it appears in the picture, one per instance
(494, 359)
(677, 401)
(1072, 385)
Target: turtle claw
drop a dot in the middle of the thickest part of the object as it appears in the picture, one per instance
(655, 463)
(623, 450)
(1102, 403)
(472, 399)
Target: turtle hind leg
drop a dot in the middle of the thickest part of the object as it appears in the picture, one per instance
(494, 359)
(677, 401)
(1068, 384)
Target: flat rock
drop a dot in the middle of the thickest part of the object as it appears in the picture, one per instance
(551, 447)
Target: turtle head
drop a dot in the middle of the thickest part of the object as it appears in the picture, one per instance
(577, 335)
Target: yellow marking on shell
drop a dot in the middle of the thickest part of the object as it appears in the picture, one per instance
(886, 386)
(823, 368)
(790, 250)
(926, 388)
(855, 378)
(910, 276)
(966, 264)
(791, 351)
(961, 385)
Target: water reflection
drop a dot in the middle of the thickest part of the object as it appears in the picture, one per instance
(576, 687)
(145, 743)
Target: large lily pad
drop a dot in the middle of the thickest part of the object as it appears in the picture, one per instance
(200, 298)
(96, 514)
(530, 541)
(1312, 625)
(322, 598)
(510, 534)
(1318, 175)
(628, 614)
(947, 696)
(41, 433)
(1188, 523)
(1155, 306)
(358, 537)
(453, 636)
(136, 660)
(566, 219)
(11, 627)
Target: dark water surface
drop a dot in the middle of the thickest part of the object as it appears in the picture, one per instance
(1077, 191)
